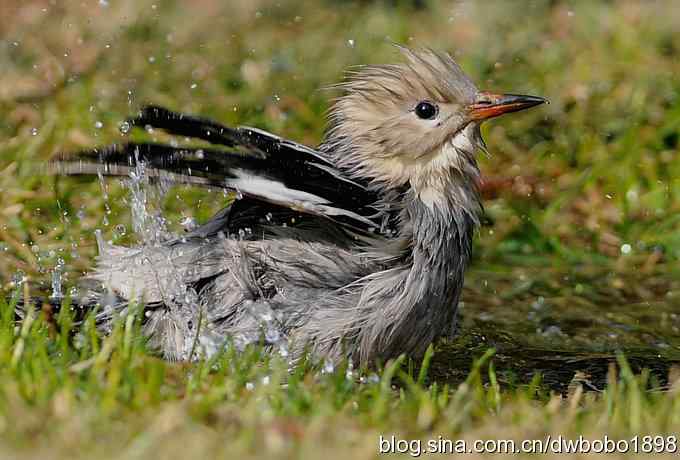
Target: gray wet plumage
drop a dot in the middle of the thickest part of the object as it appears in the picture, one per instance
(355, 249)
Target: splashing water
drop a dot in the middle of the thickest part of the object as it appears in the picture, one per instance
(57, 292)
(183, 303)
(150, 226)
(124, 127)
(189, 223)
(328, 367)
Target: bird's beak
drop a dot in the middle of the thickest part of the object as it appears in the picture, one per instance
(489, 105)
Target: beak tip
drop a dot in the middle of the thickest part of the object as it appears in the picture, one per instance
(530, 101)
(542, 100)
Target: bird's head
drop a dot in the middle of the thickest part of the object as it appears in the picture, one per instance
(415, 123)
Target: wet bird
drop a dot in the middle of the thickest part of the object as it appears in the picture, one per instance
(354, 249)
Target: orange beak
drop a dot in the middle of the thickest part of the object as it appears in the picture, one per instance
(489, 105)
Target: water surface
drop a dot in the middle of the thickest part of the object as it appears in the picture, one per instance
(566, 324)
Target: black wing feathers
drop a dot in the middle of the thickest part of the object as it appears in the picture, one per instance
(258, 164)
(181, 124)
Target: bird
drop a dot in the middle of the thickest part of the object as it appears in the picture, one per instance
(355, 249)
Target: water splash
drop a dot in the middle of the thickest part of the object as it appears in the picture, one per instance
(189, 223)
(148, 224)
(57, 293)
(183, 304)
(328, 367)
(120, 230)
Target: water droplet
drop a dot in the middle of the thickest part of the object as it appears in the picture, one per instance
(272, 334)
(189, 223)
(56, 282)
(349, 375)
(551, 331)
(194, 86)
(19, 277)
(250, 386)
(34, 131)
(538, 304)
(350, 43)
(190, 297)
(124, 127)
(98, 124)
(120, 230)
(626, 249)
(328, 367)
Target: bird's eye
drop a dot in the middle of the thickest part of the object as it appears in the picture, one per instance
(426, 110)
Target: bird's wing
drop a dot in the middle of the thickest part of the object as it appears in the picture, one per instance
(259, 166)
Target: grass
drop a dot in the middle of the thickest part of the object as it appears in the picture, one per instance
(88, 396)
(582, 203)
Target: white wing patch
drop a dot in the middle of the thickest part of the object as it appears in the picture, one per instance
(276, 192)
(270, 189)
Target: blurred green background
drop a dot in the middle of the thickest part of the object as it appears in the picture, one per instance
(579, 255)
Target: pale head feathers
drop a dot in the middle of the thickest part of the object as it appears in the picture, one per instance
(375, 132)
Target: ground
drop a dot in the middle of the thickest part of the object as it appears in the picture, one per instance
(577, 260)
